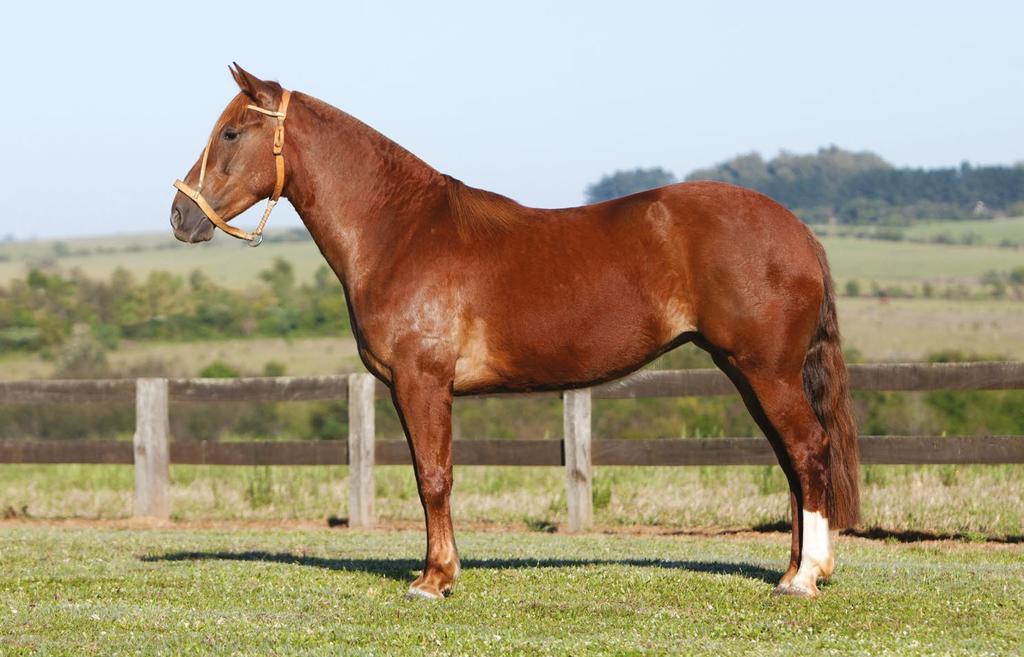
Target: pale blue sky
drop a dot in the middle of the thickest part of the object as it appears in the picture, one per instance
(105, 104)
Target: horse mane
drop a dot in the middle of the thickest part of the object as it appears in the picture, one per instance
(480, 211)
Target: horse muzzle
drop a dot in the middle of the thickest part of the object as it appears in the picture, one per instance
(188, 223)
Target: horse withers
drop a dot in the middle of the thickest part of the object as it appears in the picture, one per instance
(454, 290)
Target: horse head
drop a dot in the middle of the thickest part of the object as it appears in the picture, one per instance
(242, 163)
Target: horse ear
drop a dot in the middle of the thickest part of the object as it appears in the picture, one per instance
(262, 93)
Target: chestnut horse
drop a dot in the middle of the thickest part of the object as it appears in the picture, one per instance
(458, 291)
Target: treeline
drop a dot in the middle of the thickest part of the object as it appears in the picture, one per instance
(39, 312)
(862, 188)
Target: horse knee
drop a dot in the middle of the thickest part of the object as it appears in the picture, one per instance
(435, 484)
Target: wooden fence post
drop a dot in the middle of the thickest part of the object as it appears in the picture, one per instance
(578, 466)
(361, 389)
(151, 449)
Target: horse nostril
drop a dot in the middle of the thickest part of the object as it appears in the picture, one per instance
(175, 218)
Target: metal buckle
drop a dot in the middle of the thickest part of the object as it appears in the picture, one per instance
(256, 240)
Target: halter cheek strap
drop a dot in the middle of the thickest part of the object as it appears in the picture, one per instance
(254, 238)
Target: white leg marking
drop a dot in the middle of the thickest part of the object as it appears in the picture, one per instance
(815, 552)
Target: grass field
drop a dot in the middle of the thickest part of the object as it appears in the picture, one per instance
(276, 582)
(979, 232)
(312, 355)
(71, 590)
(911, 329)
(906, 262)
(236, 265)
(988, 231)
(896, 330)
(227, 261)
(941, 500)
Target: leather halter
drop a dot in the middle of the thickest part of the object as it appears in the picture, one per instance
(254, 238)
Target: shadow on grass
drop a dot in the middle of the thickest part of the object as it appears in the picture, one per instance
(896, 535)
(405, 569)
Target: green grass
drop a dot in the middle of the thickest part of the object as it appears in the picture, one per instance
(89, 591)
(897, 330)
(988, 231)
(300, 356)
(911, 329)
(235, 265)
(907, 262)
(942, 500)
(227, 261)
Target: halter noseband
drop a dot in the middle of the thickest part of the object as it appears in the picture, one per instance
(254, 238)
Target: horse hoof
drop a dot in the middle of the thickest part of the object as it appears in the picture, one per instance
(795, 590)
(423, 593)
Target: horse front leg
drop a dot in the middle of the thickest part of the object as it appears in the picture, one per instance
(424, 403)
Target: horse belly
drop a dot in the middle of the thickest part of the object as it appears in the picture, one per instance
(566, 350)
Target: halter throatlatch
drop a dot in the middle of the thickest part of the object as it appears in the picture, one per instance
(254, 238)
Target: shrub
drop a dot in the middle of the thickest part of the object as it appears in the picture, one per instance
(82, 356)
(218, 369)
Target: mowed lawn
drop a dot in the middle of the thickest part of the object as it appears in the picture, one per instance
(72, 590)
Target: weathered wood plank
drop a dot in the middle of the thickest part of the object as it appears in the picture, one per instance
(669, 452)
(67, 391)
(579, 470)
(919, 450)
(384, 392)
(882, 376)
(666, 383)
(938, 376)
(66, 451)
(909, 450)
(361, 450)
(481, 452)
(393, 452)
(304, 452)
(255, 389)
(152, 454)
(688, 451)
(508, 452)
(647, 383)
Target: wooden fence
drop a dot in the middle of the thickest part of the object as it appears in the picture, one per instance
(151, 450)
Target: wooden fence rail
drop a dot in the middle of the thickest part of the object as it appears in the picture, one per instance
(151, 450)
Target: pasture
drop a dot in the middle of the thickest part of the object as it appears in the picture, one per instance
(940, 500)
(79, 589)
(896, 330)
(233, 264)
(248, 567)
(1001, 231)
(984, 231)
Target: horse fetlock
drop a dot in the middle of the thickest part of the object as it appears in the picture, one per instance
(436, 582)
(827, 566)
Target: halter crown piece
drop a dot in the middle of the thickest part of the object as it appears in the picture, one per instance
(254, 238)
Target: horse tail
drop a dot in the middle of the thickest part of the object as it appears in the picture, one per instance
(826, 384)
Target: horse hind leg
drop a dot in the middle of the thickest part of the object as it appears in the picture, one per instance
(779, 405)
(753, 405)
(805, 443)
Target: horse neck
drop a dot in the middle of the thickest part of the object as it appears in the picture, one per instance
(358, 193)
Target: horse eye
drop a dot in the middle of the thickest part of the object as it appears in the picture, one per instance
(230, 134)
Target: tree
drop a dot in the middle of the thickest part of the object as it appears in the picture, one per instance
(82, 355)
(862, 188)
(623, 183)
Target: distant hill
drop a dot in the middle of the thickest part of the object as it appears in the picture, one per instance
(862, 188)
